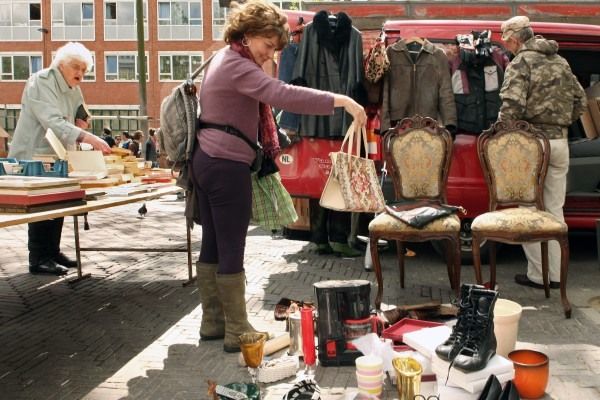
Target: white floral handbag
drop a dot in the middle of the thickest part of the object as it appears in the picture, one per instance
(352, 184)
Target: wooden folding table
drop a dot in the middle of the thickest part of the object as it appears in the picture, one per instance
(93, 205)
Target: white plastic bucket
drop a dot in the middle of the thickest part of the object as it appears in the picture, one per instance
(506, 325)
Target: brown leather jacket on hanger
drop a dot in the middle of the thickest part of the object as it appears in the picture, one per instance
(417, 87)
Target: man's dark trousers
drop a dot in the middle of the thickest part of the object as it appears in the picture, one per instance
(44, 240)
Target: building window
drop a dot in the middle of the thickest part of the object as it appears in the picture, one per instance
(219, 16)
(90, 76)
(20, 20)
(118, 117)
(19, 67)
(177, 67)
(289, 4)
(120, 20)
(9, 115)
(179, 20)
(122, 67)
(72, 20)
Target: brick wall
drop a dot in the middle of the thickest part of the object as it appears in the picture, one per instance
(370, 15)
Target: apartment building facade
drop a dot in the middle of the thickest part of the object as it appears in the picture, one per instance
(179, 35)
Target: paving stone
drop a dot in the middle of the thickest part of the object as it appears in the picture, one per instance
(131, 331)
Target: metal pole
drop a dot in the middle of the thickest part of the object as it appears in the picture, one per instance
(139, 13)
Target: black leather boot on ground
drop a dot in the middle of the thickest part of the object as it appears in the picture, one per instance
(480, 342)
(448, 350)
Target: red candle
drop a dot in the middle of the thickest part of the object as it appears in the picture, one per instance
(308, 335)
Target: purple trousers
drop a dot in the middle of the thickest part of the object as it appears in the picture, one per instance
(224, 194)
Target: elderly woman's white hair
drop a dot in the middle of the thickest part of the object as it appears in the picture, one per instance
(73, 51)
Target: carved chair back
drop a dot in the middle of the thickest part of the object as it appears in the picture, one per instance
(514, 159)
(418, 152)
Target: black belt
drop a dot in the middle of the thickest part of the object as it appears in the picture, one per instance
(230, 130)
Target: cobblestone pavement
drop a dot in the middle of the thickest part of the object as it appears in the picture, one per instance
(131, 331)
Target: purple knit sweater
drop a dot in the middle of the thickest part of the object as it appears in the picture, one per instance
(231, 90)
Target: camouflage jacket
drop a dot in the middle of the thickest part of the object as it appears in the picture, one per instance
(540, 88)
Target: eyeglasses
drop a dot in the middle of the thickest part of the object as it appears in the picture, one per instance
(421, 397)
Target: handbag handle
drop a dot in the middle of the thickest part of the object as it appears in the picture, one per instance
(349, 139)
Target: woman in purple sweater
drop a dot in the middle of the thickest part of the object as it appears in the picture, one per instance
(236, 93)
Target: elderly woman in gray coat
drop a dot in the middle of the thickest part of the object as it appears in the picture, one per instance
(50, 100)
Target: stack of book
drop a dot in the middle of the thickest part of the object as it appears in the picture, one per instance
(158, 175)
(27, 194)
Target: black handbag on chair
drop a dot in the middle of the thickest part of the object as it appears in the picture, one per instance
(418, 214)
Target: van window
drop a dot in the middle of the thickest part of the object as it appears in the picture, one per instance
(584, 64)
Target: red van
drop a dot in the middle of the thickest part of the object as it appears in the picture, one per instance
(580, 45)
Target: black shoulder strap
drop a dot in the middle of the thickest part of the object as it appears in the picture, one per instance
(230, 130)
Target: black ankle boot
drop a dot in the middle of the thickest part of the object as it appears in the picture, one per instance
(491, 390)
(509, 392)
(480, 342)
(448, 350)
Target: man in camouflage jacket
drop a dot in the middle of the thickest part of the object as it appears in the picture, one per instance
(540, 88)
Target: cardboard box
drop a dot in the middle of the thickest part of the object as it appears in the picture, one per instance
(303, 210)
(588, 125)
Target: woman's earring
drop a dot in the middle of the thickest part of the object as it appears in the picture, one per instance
(245, 42)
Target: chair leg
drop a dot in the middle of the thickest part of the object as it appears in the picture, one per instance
(400, 252)
(492, 245)
(457, 264)
(564, 266)
(545, 273)
(377, 265)
(476, 257)
(449, 250)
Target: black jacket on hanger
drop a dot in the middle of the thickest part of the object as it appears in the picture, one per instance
(476, 84)
(330, 58)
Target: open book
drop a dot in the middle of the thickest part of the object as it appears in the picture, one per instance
(56, 145)
(83, 164)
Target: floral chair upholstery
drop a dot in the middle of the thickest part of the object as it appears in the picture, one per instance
(514, 160)
(417, 153)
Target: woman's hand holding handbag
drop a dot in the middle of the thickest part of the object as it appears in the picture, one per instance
(352, 184)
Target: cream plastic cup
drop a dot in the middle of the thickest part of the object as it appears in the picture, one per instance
(507, 314)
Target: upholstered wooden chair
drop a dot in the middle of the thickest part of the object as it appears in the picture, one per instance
(514, 159)
(417, 153)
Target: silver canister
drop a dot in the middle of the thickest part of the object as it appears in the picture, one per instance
(295, 335)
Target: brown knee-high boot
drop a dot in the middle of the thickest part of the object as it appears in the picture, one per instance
(232, 289)
(213, 319)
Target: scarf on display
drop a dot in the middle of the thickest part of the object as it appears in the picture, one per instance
(267, 130)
